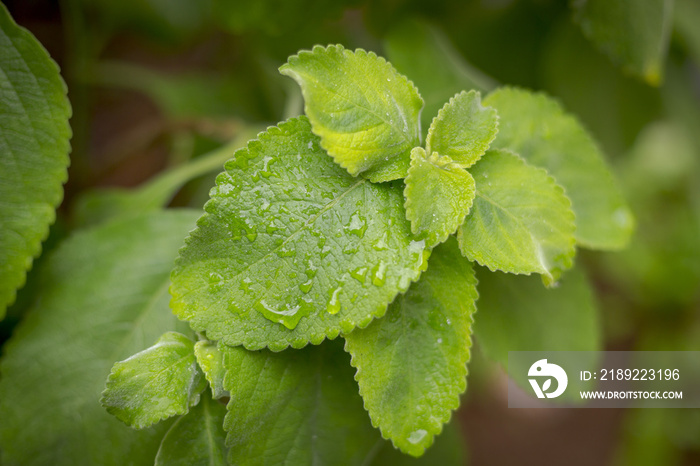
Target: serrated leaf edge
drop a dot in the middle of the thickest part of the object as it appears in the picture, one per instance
(441, 116)
(568, 259)
(440, 162)
(66, 112)
(452, 403)
(555, 104)
(340, 49)
(193, 399)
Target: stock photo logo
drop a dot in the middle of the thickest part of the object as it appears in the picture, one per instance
(544, 371)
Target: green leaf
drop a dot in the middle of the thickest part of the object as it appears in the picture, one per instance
(439, 194)
(536, 127)
(295, 407)
(196, 438)
(155, 384)
(34, 147)
(105, 297)
(412, 364)
(521, 221)
(365, 112)
(211, 361)
(634, 33)
(518, 314)
(427, 58)
(292, 249)
(463, 129)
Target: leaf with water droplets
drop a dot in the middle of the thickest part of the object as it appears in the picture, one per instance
(537, 128)
(463, 129)
(295, 407)
(292, 249)
(438, 195)
(521, 221)
(366, 113)
(411, 364)
(159, 382)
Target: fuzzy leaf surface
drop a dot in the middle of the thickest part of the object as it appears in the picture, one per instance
(435, 66)
(156, 383)
(412, 364)
(521, 221)
(463, 129)
(34, 147)
(211, 361)
(634, 33)
(439, 194)
(366, 113)
(197, 438)
(536, 127)
(297, 407)
(89, 314)
(292, 249)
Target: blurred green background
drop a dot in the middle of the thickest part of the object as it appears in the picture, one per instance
(155, 84)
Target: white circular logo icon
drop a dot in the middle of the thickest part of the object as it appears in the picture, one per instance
(541, 369)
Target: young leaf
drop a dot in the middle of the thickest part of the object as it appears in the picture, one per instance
(412, 364)
(438, 196)
(521, 221)
(34, 147)
(196, 438)
(295, 407)
(155, 384)
(105, 297)
(537, 128)
(211, 361)
(427, 58)
(292, 249)
(519, 314)
(634, 33)
(366, 113)
(463, 129)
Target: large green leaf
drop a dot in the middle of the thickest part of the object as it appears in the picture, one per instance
(296, 407)
(518, 314)
(438, 196)
(160, 381)
(34, 147)
(521, 221)
(366, 113)
(426, 56)
(412, 364)
(536, 127)
(105, 297)
(634, 33)
(197, 438)
(463, 129)
(292, 249)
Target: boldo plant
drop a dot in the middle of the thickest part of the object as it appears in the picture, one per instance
(326, 298)
(348, 224)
